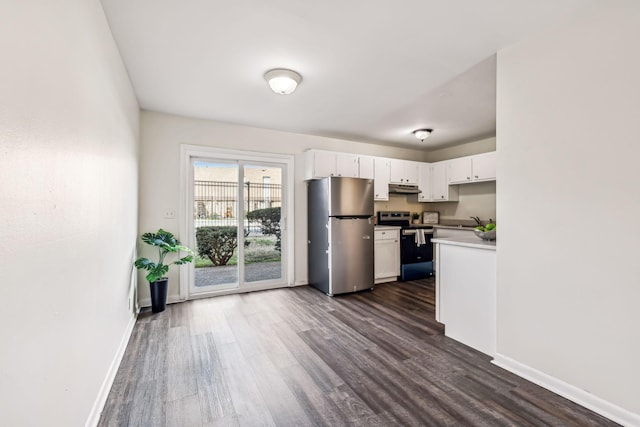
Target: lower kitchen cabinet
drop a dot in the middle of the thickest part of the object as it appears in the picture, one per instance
(387, 254)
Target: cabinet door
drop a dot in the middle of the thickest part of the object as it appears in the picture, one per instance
(319, 164)
(387, 257)
(403, 172)
(460, 170)
(365, 167)
(424, 182)
(381, 179)
(484, 166)
(439, 184)
(347, 165)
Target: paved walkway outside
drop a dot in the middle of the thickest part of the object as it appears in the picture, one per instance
(206, 276)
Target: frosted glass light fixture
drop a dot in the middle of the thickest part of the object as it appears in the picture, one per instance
(282, 81)
(422, 134)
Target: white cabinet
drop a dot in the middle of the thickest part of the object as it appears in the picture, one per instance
(440, 189)
(459, 170)
(424, 182)
(381, 178)
(321, 164)
(387, 254)
(403, 171)
(346, 165)
(481, 167)
(366, 167)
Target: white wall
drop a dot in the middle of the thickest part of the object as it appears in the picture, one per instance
(161, 136)
(569, 205)
(477, 199)
(68, 186)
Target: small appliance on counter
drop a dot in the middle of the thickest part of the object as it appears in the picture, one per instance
(416, 249)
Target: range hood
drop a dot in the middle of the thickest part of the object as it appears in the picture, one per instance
(403, 189)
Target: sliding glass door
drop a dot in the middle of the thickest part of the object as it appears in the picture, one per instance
(237, 215)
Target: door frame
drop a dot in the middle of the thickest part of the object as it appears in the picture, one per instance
(189, 152)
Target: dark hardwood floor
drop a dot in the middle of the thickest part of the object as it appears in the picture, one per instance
(295, 357)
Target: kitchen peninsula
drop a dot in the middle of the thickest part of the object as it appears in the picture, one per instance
(466, 290)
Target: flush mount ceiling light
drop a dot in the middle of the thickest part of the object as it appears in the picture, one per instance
(283, 81)
(422, 134)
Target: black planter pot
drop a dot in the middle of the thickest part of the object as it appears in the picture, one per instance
(159, 294)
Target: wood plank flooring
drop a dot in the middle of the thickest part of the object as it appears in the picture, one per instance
(295, 357)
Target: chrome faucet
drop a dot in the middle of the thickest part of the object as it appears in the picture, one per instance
(476, 219)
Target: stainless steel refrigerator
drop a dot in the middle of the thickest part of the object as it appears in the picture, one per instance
(340, 234)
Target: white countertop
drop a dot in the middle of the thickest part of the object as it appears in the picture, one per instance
(454, 227)
(470, 242)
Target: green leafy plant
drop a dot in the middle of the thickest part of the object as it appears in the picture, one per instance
(166, 244)
(269, 220)
(415, 215)
(217, 243)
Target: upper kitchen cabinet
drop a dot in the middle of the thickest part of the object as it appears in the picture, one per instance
(346, 165)
(481, 167)
(441, 191)
(484, 166)
(403, 172)
(424, 182)
(366, 167)
(432, 182)
(459, 170)
(381, 171)
(321, 164)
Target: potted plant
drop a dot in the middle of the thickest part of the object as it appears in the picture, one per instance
(416, 217)
(158, 283)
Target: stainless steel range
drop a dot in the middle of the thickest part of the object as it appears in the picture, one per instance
(416, 249)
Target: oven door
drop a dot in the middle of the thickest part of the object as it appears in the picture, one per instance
(410, 252)
(416, 261)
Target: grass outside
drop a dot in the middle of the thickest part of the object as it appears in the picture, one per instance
(260, 249)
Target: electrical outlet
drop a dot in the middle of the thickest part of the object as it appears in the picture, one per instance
(169, 214)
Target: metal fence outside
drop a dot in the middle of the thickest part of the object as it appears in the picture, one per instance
(215, 202)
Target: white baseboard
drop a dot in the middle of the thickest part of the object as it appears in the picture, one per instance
(299, 283)
(98, 405)
(571, 392)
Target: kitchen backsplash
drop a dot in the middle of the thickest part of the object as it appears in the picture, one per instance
(478, 199)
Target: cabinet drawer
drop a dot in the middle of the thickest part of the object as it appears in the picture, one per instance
(387, 234)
